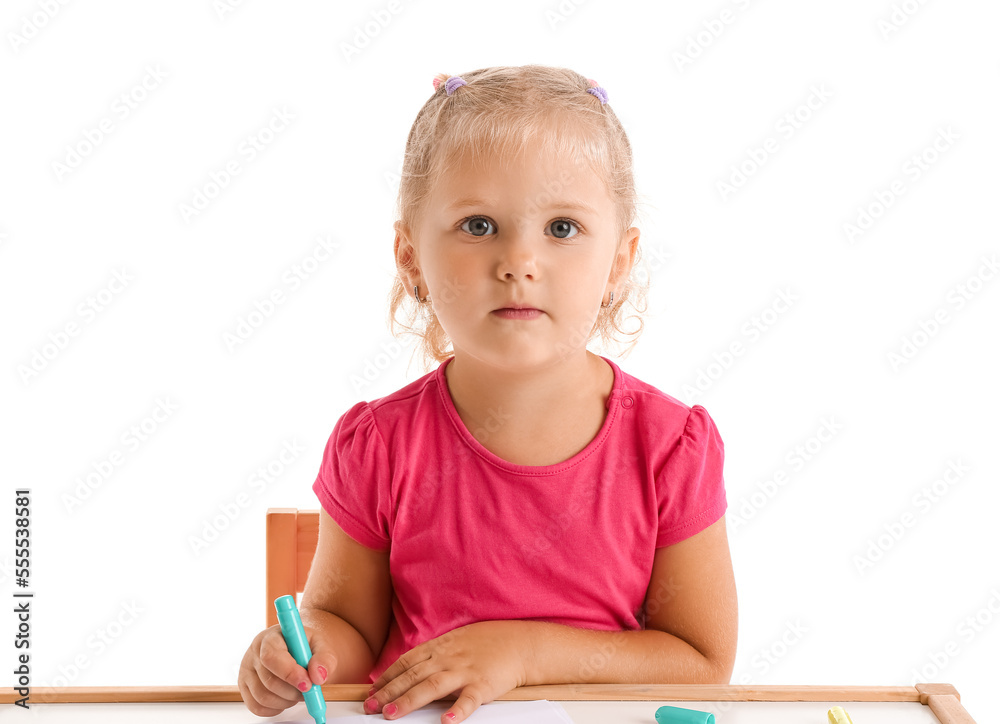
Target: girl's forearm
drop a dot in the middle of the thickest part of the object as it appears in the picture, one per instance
(559, 654)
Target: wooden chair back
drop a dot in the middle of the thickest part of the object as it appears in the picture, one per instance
(291, 544)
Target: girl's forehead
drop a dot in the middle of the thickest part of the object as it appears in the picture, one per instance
(558, 143)
(537, 153)
(469, 174)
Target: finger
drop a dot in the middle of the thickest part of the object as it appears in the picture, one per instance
(401, 664)
(408, 678)
(427, 689)
(253, 679)
(319, 670)
(253, 706)
(276, 659)
(395, 669)
(468, 701)
(265, 701)
(323, 662)
(280, 690)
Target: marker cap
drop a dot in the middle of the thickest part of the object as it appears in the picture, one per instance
(676, 715)
(292, 630)
(837, 715)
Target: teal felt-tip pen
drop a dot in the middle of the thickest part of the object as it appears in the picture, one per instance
(298, 646)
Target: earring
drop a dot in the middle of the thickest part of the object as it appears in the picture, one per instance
(417, 296)
(611, 299)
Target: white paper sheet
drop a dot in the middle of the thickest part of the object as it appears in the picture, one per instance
(541, 711)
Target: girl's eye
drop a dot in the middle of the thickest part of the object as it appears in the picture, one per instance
(479, 222)
(561, 227)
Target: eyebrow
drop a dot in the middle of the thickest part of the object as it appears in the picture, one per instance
(578, 206)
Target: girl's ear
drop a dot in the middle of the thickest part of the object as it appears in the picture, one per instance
(405, 253)
(626, 256)
(402, 247)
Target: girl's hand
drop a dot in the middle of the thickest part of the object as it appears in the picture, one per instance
(479, 661)
(270, 680)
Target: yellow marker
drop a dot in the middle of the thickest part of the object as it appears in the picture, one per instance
(837, 715)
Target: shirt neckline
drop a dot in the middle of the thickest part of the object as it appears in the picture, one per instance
(478, 448)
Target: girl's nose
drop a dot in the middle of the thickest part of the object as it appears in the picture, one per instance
(518, 255)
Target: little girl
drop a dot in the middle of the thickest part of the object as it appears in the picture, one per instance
(527, 512)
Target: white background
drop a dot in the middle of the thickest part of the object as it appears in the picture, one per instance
(808, 613)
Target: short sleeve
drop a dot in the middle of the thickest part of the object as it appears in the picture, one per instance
(691, 493)
(353, 480)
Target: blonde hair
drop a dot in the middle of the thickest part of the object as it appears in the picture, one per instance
(499, 111)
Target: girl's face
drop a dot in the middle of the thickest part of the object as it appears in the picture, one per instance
(537, 232)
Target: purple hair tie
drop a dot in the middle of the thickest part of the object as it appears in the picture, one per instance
(597, 91)
(453, 83)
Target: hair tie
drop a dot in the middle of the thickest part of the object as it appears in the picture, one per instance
(451, 84)
(596, 91)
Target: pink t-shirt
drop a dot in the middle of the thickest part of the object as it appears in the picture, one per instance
(472, 537)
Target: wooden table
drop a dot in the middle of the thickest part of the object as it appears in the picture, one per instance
(585, 703)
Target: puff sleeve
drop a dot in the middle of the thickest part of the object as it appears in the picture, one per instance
(353, 483)
(691, 492)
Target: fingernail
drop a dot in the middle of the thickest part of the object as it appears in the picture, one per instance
(322, 672)
(371, 704)
(371, 691)
(451, 715)
(304, 686)
(389, 710)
